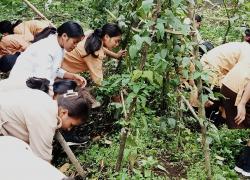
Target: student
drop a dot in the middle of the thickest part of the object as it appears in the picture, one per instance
(90, 52)
(37, 123)
(43, 59)
(217, 63)
(10, 48)
(233, 86)
(198, 20)
(28, 29)
(19, 162)
(12, 45)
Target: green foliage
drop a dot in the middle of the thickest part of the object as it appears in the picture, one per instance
(151, 75)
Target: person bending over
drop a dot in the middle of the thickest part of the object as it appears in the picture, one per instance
(28, 29)
(90, 52)
(43, 59)
(33, 116)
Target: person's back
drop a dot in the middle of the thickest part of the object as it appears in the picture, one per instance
(19, 162)
(34, 62)
(30, 28)
(223, 58)
(12, 43)
(29, 115)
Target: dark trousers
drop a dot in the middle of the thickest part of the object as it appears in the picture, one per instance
(231, 110)
(7, 62)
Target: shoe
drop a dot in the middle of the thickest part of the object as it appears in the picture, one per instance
(246, 167)
(238, 169)
(243, 162)
(246, 174)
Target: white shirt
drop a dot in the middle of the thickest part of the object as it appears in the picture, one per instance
(41, 59)
(18, 162)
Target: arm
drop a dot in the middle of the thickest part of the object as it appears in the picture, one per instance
(117, 55)
(21, 45)
(241, 107)
(81, 81)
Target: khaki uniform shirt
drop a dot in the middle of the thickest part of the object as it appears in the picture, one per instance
(220, 60)
(30, 28)
(30, 115)
(238, 77)
(12, 43)
(78, 61)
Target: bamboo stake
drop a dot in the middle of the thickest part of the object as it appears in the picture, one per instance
(123, 137)
(35, 10)
(191, 109)
(201, 108)
(70, 154)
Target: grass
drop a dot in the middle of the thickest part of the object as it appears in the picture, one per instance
(214, 28)
(158, 149)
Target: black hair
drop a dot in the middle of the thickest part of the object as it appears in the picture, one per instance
(208, 46)
(44, 33)
(198, 18)
(38, 83)
(78, 105)
(94, 41)
(7, 27)
(71, 28)
(247, 32)
(62, 86)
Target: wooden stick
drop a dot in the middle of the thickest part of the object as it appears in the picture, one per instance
(190, 108)
(123, 105)
(70, 154)
(123, 139)
(35, 10)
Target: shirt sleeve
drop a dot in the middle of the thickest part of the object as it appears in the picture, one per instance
(25, 31)
(20, 45)
(60, 73)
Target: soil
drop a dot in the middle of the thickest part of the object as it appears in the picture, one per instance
(174, 170)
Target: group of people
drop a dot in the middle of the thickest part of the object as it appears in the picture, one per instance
(44, 91)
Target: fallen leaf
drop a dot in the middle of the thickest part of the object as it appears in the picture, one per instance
(64, 168)
(108, 142)
(97, 138)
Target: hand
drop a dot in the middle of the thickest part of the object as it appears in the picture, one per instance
(241, 113)
(208, 103)
(121, 53)
(81, 81)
